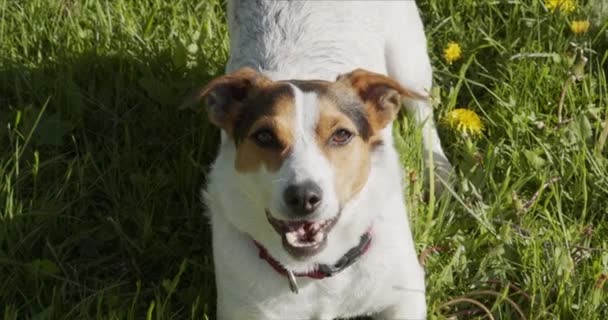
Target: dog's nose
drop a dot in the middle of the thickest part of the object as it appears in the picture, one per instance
(303, 198)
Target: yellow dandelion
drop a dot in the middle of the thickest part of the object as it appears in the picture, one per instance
(565, 6)
(579, 26)
(452, 52)
(465, 121)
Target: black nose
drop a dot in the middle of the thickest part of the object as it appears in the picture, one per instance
(304, 198)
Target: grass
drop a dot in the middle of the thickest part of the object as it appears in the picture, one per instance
(100, 215)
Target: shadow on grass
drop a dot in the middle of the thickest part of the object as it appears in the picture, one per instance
(100, 210)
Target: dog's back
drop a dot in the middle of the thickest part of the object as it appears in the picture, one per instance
(321, 39)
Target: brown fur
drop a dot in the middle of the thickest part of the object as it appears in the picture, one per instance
(278, 117)
(351, 162)
(381, 95)
(242, 102)
(224, 96)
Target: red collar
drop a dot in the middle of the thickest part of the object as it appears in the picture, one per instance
(322, 270)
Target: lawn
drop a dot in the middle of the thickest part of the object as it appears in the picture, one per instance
(100, 173)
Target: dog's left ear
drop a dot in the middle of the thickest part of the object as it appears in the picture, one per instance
(382, 95)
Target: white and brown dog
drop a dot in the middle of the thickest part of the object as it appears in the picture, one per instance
(305, 196)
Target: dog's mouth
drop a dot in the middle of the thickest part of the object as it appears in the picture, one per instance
(302, 238)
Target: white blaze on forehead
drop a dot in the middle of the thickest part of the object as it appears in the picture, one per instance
(307, 162)
(307, 115)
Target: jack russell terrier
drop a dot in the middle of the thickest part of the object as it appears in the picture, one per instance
(305, 197)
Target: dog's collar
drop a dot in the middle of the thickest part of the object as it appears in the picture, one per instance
(321, 270)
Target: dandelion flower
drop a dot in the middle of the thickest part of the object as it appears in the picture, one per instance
(579, 26)
(565, 6)
(452, 52)
(465, 121)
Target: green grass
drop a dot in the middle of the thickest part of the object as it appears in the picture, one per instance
(100, 213)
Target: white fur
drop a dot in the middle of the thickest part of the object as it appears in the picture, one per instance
(320, 40)
(307, 162)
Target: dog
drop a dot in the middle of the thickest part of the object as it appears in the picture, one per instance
(305, 196)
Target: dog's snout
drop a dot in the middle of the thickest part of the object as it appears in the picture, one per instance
(304, 198)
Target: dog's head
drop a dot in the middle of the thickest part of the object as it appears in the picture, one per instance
(300, 150)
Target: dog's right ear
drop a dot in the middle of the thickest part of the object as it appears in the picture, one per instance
(224, 96)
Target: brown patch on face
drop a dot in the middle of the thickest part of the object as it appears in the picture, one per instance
(271, 110)
(362, 103)
(243, 103)
(340, 110)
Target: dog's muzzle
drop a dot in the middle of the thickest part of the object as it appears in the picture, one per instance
(302, 238)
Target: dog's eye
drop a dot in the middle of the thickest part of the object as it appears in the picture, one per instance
(341, 137)
(265, 138)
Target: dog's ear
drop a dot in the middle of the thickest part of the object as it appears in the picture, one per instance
(224, 96)
(382, 95)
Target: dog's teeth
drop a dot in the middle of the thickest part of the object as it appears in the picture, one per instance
(318, 237)
(292, 238)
